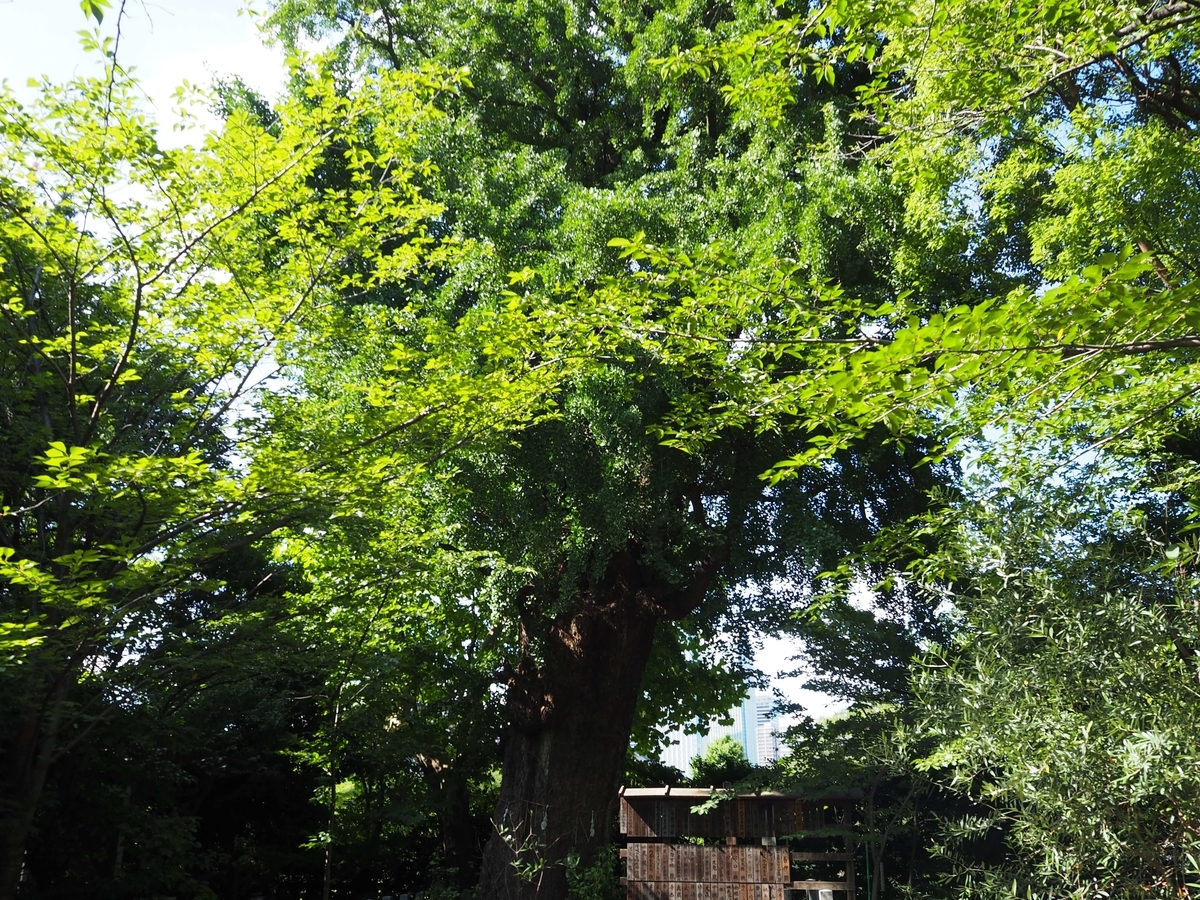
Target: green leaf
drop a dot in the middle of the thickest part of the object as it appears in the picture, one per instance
(95, 9)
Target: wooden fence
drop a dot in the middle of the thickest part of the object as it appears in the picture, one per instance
(672, 853)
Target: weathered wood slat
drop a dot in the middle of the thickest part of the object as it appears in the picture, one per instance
(680, 890)
(745, 864)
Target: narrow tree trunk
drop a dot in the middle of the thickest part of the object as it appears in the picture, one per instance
(12, 856)
(570, 718)
(29, 758)
(18, 804)
(460, 843)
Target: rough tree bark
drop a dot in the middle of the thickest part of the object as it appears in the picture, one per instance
(570, 717)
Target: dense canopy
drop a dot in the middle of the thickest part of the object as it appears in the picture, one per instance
(385, 475)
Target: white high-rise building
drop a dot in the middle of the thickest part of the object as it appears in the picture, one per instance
(752, 727)
(767, 731)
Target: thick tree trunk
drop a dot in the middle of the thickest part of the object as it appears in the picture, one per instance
(570, 718)
(561, 776)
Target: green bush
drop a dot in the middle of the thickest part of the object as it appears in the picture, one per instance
(599, 881)
(724, 761)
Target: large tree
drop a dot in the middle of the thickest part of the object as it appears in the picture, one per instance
(609, 552)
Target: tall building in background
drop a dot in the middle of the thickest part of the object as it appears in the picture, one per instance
(753, 727)
(767, 731)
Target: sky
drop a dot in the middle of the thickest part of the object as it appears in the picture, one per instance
(167, 42)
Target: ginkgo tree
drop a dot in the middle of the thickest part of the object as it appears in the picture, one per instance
(627, 577)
